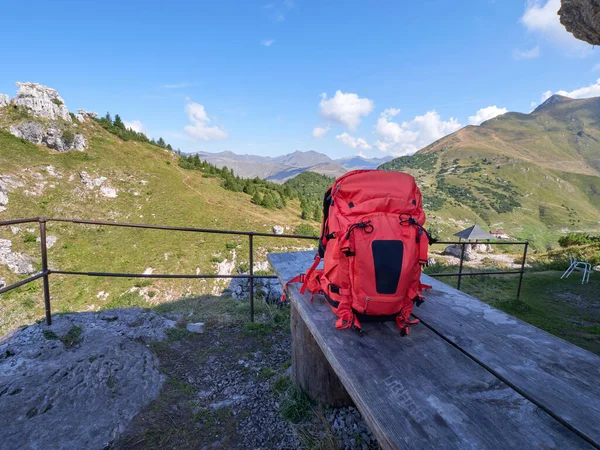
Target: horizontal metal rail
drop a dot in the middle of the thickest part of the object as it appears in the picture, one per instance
(23, 282)
(18, 221)
(156, 275)
(169, 228)
(502, 242)
(466, 274)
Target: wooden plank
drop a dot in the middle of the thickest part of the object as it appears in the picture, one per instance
(553, 373)
(420, 391)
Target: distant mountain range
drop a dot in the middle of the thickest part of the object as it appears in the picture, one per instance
(284, 167)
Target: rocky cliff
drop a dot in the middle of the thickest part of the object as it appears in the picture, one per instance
(582, 19)
(49, 122)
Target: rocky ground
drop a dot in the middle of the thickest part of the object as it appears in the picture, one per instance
(78, 383)
(132, 379)
(228, 388)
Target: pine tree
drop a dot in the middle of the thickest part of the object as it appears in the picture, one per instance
(256, 199)
(118, 122)
(161, 142)
(317, 213)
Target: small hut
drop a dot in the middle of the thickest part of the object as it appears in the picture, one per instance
(474, 233)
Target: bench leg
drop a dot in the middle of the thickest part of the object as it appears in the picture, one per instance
(311, 370)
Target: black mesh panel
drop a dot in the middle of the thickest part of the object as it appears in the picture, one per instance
(387, 256)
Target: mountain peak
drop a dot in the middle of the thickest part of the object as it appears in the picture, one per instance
(552, 100)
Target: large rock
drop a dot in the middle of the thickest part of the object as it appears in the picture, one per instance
(3, 197)
(41, 101)
(84, 116)
(16, 262)
(4, 100)
(52, 136)
(456, 250)
(277, 229)
(78, 383)
(582, 19)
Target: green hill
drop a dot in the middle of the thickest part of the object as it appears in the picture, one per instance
(150, 187)
(536, 176)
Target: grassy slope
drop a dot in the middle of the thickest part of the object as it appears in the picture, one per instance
(172, 196)
(548, 161)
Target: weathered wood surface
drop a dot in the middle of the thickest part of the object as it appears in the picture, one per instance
(310, 368)
(553, 373)
(421, 391)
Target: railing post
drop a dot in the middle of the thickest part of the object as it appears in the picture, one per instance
(251, 250)
(44, 251)
(522, 270)
(460, 267)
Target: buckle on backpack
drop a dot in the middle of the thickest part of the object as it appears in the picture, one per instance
(347, 251)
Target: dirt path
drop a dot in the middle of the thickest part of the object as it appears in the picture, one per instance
(185, 179)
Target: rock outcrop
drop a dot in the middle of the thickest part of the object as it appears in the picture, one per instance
(4, 100)
(16, 262)
(53, 136)
(78, 383)
(582, 19)
(41, 101)
(83, 115)
(92, 183)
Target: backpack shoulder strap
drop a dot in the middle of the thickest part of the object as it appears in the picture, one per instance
(325, 224)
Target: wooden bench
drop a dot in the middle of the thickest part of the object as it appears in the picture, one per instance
(469, 376)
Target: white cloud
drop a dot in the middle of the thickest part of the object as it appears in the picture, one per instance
(319, 132)
(345, 108)
(181, 85)
(408, 137)
(267, 42)
(526, 54)
(593, 90)
(541, 19)
(486, 114)
(135, 125)
(353, 142)
(200, 127)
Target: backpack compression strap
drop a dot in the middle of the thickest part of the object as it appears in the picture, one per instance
(309, 279)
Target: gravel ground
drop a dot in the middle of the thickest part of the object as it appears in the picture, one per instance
(220, 394)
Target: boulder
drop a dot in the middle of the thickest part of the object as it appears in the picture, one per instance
(16, 262)
(2, 283)
(455, 250)
(277, 229)
(96, 369)
(52, 136)
(197, 327)
(29, 130)
(4, 100)
(50, 241)
(41, 101)
(3, 197)
(582, 19)
(84, 116)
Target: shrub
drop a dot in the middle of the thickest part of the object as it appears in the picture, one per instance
(57, 102)
(306, 230)
(68, 136)
(29, 237)
(577, 239)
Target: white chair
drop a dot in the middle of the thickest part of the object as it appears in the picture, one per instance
(580, 266)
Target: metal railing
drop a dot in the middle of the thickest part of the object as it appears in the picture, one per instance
(461, 274)
(46, 271)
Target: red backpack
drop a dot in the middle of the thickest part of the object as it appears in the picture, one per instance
(373, 244)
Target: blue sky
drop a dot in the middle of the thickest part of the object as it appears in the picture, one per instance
(270, 77)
